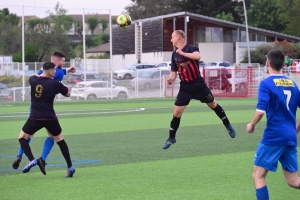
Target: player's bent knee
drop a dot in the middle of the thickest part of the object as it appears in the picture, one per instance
(58, 138)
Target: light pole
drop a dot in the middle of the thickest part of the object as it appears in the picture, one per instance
(247, 32)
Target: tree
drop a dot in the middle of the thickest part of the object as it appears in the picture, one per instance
(7, 17)
(266, 14)
(10, 38)
(30, 54)
(140, 9)
(291, 15)
(62, 22)
(287, 48)
(93, 23)
(104, 23)
(224, 16)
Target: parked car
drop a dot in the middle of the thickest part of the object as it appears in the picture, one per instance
(149, 79)
(2, 86)
(132, 71)
(90, 76)
(164, 66)
(222, 64)
(15, 94)
(201, 63)
(97, 89)
(241, 79)
(218, 79)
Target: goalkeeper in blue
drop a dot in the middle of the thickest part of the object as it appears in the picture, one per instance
(58, 58)
(278, 97)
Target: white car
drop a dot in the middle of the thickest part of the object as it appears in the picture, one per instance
(164, 66)
(97, 89)
(241, 79)
(132, 71)
(222, 64)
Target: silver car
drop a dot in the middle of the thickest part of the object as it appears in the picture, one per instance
(149, 79)
(97, 89)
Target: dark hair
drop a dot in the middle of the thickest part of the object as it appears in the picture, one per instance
(276, 59)
(58, 54)
(48, 65)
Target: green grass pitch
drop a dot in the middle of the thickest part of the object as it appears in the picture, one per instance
(116, 149)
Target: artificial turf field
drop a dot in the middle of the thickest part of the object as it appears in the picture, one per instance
(116, 149)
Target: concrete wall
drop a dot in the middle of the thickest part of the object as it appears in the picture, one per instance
(216, 52)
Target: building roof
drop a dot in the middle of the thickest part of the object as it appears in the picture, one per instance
(220, 22)
(102, 48)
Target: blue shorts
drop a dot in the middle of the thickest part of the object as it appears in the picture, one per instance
(267, 157)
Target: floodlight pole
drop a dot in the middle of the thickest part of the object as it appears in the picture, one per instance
(247, 31)
(23, 57)
(84, 57)
(110, 53)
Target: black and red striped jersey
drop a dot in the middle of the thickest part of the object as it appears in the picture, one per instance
(188, 69)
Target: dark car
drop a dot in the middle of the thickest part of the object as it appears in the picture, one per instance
(15, 94)
(90, 76)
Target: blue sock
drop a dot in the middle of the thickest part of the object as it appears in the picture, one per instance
(20, 152)
(262, 193)
(49, 142)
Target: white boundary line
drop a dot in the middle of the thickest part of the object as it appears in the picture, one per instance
(80, 113)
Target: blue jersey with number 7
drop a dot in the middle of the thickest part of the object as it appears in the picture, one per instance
(279, 97)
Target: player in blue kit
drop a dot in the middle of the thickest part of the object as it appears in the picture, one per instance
(278, 97)
(42, 115)
(58, 58)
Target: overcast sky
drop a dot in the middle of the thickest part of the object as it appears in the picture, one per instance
(39, 7)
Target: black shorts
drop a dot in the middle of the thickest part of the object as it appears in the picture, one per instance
(32, 126)
(196, 90)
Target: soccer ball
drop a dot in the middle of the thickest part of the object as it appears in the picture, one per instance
(124, 21)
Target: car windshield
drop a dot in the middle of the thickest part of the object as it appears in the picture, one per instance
(131, 67)
(74, 77)
(146, 75)
(5, 92)
(212, 64)
(78, 86)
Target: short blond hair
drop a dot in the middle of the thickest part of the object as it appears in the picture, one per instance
(180, 33)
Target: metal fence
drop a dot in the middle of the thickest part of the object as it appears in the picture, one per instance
(98, 82)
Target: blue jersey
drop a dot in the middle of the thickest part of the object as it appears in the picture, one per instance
(59, 74)
(43, 91)
(279, 97)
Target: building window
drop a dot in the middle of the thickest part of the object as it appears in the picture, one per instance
(217, 34)
(252, 37)
(208, 34)
(235, 36)
(199, 34)
(261, 38)
(243, 36)
(227, 35)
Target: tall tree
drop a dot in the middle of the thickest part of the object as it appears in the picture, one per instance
(266, 14)
(291, 15)
(62, 22)
(225, 16)
(104, 24)
(140, 9)
(93, 22)
(7, 17)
